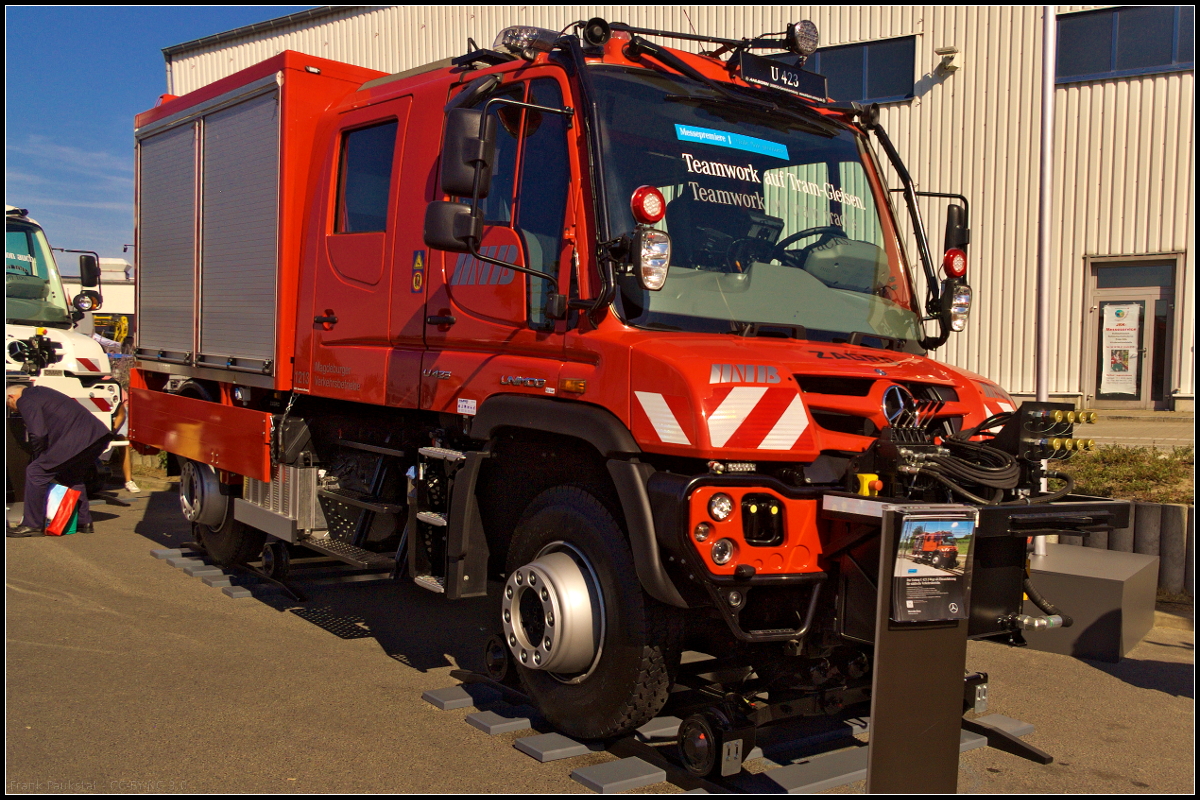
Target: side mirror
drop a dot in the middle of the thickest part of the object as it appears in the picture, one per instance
(958, 235)
(449, 226)
(465, 154)
(89, 271)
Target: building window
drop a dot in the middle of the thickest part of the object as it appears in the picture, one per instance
(1117, 42)
(877, 72)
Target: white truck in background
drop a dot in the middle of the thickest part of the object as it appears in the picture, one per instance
(41, 344)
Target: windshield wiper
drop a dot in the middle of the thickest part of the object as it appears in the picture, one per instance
(767, 329)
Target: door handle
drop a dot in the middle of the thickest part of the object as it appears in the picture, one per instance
(326, 321)
(446, 320)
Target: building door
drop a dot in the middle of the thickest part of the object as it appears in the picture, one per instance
(1131, 327)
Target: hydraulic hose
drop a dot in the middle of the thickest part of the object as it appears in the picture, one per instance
(1068, 487)
(1045, 605)
(954, 487)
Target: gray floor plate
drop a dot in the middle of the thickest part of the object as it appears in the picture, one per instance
(553, 747)
(492, 723)
(619, 776)
(462, 696)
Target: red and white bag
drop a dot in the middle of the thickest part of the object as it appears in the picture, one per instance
(61, 506)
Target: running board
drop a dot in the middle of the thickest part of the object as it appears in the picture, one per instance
(442, 453)
(431, 582)
(348, 553)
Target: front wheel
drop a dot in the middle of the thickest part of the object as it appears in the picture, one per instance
(594, 652)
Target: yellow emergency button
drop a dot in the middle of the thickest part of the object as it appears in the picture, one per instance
(869, 484)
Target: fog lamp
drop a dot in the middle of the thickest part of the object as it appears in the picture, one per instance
(723, 551)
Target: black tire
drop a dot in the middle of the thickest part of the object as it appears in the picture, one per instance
(629, 683)
(232, 543)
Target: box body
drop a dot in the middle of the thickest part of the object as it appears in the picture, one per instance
(222, 178)
(1109, 594)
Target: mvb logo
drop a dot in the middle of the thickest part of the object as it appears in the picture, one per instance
(470, 271)
(743, 373)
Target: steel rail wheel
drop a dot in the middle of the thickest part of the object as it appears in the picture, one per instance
(594, 652)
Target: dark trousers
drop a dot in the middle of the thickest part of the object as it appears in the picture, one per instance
(72, 474)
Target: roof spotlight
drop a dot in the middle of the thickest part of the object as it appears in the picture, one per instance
(525, 41)
(802, 37)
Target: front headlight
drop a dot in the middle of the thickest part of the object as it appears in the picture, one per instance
(652, 254)
(960, 307)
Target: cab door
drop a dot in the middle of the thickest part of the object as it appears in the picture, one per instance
(487, 329)
(354, 262)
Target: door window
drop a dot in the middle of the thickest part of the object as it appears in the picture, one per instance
(532, 203)
(545, 176)
(498, 205)
(364, 178)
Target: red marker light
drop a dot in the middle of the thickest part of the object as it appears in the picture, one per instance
(955, 263)
(648, 205)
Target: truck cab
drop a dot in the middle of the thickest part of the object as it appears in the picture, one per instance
(41, 345)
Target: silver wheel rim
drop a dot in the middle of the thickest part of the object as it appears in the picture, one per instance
(557, 599)
(200, 495)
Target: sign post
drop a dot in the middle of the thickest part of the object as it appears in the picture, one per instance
(920, 648)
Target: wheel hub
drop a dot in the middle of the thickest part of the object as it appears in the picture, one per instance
(551, 614)
(200, 494)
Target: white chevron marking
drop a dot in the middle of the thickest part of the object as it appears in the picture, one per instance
(662, 418)
(788, 429)
(732, 412)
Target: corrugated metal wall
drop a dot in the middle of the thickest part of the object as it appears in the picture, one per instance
(1124, 169)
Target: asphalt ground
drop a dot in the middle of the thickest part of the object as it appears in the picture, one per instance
(125, 675)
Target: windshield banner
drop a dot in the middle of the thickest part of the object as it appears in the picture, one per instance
(735, 141)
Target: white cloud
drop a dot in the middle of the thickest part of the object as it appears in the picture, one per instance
(66, 157)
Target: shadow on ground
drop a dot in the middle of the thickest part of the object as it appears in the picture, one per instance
(412, 625)
(1171, 677)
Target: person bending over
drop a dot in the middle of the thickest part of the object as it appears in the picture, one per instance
(66, 439)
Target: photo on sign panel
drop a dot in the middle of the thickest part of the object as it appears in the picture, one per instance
(931, 579)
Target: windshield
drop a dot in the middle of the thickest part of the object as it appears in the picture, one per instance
(33, 292)
(773, 217)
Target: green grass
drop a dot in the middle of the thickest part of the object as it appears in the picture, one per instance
(1134, 473)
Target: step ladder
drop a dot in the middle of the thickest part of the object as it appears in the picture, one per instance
(350, 515)
(447, 549)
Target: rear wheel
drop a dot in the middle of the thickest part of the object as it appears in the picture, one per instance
(208, 505)
(595, 653)
(232, 543)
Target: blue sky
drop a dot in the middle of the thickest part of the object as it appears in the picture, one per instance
(75, 76)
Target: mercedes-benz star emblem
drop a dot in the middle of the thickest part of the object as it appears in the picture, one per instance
(897, 402)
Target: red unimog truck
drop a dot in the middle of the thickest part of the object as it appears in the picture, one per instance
(620, 328)
(938, 549)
